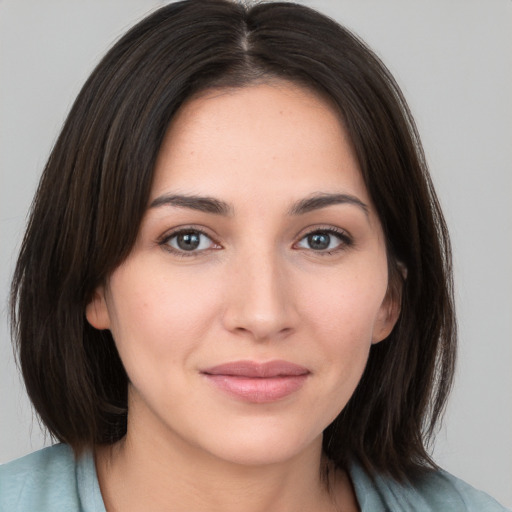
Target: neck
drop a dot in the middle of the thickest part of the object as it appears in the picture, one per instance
(161, 476)
(154, 468)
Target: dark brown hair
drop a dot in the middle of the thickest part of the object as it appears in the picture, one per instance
(95, 188)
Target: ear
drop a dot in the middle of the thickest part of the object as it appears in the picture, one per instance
(96, 310)
(388, 314)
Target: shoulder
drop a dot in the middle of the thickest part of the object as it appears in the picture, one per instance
(447, 492)
(47, 476)
(434, 491)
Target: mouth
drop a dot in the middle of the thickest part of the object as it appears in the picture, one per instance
(255, 382)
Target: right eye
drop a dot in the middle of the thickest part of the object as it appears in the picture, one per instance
(188, 241)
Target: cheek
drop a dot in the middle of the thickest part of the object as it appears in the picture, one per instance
(155, 318)
(346, 306)
(341, 321)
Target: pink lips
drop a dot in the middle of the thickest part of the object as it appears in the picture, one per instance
(257, 382)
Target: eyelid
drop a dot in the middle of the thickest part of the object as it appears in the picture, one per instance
(345, 238)
(163, 240)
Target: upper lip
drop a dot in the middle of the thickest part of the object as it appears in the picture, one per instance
(255, 369)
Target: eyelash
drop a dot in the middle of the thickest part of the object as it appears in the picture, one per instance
(345, 241)
(165, 242)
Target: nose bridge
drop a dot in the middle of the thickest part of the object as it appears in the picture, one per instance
(260, 301)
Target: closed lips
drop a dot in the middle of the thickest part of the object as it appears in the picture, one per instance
(257, 383)
(257, 370)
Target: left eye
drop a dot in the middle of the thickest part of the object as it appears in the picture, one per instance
(189, 241)
(323, 241)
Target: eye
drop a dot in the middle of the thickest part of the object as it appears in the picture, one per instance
(325, 240)
(188, 241)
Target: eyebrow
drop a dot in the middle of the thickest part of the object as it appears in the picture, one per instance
(216, 206)
(322, 200)
(200, 203)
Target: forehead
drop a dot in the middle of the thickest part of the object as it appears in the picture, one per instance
(275, 138)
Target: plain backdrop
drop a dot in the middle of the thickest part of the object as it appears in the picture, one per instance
(453, 60)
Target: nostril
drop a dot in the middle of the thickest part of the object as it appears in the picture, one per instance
(258, 301)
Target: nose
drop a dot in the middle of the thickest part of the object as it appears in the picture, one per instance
(260, 302)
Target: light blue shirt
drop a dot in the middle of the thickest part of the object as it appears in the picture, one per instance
(52, 480)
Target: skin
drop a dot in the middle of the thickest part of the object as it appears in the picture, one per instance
(255, 289)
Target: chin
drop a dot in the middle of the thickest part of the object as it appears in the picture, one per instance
(261, 445)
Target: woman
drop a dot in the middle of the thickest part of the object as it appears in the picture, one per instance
(219, 301)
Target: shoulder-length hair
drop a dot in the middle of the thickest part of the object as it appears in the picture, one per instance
(95, 189)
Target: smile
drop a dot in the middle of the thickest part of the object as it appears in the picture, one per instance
(257, 382)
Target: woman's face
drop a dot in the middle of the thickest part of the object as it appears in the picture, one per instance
(246, 310)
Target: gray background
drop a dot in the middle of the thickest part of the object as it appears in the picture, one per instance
(453, 60)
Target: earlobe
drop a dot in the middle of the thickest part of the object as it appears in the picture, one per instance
(388, 315)
(96, 310)
(386, 320)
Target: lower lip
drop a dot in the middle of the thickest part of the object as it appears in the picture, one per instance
(258, 390)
